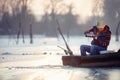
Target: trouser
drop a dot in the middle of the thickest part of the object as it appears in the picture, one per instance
(93, 49)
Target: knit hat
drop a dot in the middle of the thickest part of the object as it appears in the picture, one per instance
(100, 24)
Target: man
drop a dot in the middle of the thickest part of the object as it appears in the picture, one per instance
(100, 40)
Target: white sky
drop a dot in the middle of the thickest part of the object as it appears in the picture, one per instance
(83, 8)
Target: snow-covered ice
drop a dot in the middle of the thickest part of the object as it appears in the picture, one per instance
(42, 61)
(48, 67)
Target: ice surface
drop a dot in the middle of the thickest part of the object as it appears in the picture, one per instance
(42, 61)
(44, 67)
(48, 45)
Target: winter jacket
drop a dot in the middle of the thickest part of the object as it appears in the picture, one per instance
(103, 39)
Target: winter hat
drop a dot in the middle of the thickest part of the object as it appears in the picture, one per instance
(100, 24)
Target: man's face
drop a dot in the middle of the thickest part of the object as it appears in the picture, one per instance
(100, 29)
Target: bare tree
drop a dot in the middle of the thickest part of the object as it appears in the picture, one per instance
(31, 34)
(18, 34)
(117, 31)
(4, 17)
(117, 28)
(54, 10)
(2, 7)
(97, 10)
(53, 5)
(23, 17)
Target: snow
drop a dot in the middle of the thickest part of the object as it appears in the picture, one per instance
(48, 45)
(42, 61)
(49, 67)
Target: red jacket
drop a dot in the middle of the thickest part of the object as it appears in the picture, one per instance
(103, 38)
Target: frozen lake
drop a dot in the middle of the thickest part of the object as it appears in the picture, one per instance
(42, 44)
(49, 67)
(34, 65)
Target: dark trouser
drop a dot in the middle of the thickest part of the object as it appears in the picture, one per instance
(93, 49)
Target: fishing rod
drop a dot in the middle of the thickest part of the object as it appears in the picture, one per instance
(68, 51)
(92, 35)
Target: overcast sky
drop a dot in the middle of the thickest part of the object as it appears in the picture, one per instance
(83, 8)
(75, 16)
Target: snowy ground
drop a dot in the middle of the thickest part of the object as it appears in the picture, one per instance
(48, 67)
(30, 61)
(47, 45)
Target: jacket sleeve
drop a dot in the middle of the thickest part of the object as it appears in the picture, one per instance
(93, 29)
